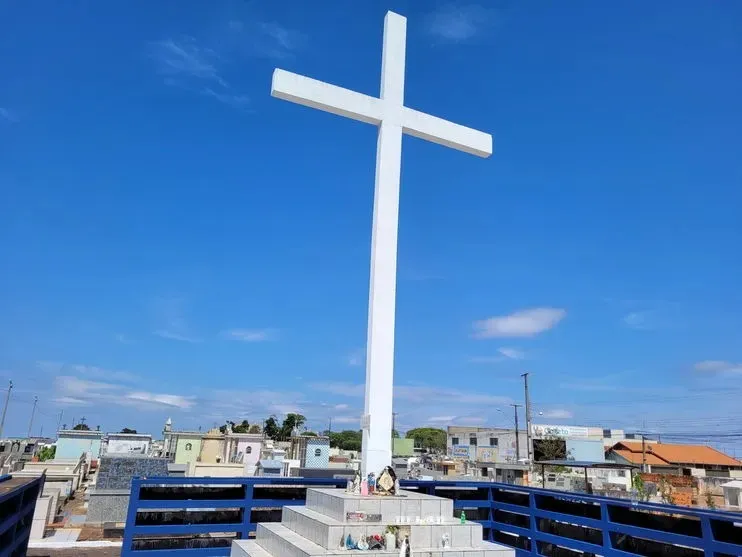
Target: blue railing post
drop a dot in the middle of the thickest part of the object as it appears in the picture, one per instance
(247, 512)
(131, 518)
(605, 529)
(533, 522)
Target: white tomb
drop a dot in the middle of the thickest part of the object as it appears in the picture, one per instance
(320, 527)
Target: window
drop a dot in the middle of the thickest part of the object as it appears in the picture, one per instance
(317, 452)
(630, 436)
(606, 434)
(188, 447)
(493, 441)
(473, 441)
(248, 450)
(454, 440)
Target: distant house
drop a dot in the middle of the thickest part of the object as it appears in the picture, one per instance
(128, 444)
(310, 451)
(667, 458)
(733, 494)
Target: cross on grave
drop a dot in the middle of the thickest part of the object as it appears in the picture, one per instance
(393, 119)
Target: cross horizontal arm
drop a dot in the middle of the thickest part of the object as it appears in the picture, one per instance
(325, 96)
(443, 132)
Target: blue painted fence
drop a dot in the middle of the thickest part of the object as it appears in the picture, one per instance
(186, 516)
(17, 505)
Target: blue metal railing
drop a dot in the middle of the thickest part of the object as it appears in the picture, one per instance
(171, 517)
(17, 505)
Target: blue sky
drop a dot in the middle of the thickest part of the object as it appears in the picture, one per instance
(175, 242)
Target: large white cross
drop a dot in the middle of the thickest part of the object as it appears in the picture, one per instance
(393, 118)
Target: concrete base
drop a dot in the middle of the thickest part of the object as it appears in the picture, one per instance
(320, 528)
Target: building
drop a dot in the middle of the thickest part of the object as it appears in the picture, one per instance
(15, 452)
(71, 443)
(243, 448)
(310, 451)
(122, 444)
(403, 447)
(733, 495)
(667, 458)
(486, 445)
(212, 447)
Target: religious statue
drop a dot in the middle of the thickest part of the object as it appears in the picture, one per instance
(387, 482)
(371, 483)
(356, 484)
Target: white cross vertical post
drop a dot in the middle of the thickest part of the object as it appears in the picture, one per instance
(393, 118)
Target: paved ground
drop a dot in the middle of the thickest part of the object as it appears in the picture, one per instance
(76, 552)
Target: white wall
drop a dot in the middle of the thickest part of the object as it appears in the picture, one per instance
(128, 446)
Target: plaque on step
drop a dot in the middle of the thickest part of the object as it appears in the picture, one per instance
(355, 516)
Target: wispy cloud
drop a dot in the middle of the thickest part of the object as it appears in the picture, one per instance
(170, 313)
(61, 368)
(512, 353)
(341, 407)
(263, 39)
(441, 419)
(523, 323)
(250, 335)
(187, 64)
(175, 401)
(122, 338)
(356, 358)
(718, 366)
(460, 23)
(414, 393)
(7, 114)
(557, 414)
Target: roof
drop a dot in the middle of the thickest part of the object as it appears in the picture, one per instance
(636, 458)
(668, 454)
(733, 483)
(584, 464)
(265, 463)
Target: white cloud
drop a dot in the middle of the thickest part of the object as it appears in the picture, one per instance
(718, 366)
(122, 338)
(60, 368)
(346, 420)
(523, 323)
(341, 407)
(512, 353)
(175, 401)
(172, 335)
(70, 401)
(557, 414)
(441, 419)
(459, 23)
(250, 335)
(639, 320)
(470, 420)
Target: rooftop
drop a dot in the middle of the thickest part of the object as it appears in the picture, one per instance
(666, 454)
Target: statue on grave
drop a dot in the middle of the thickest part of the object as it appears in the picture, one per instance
(387, 483)
(356, 484)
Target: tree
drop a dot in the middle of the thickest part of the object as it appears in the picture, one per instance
(347, 440)
(641, 490)
(242, 427)
(309, 434)
(290, 423)
(129, 430)
(710, 503)
(81, 427)
(271, 429)
(47, 453)
(395, 434)
(255, 428)
(551, 448)
(429, 438)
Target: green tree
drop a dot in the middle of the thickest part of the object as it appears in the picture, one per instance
(309, 434)
(290, 423)
(347, 440)
(271, 429)
(395, 434)
(242, 427)
(129, 430)
(81, 427)
(641, 491)
(47, 453)
(428, 438)
(710, 503)
(255, 428)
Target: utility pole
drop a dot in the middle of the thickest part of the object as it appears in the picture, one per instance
(529, 442)
(5, 408)
(59, 421)
(329, 427)
(517, 436)
(33, 411)
(644, 454)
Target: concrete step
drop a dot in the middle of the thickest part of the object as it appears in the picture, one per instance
(328, 532)
(278, 541)
(336, 503)
(247, 548)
